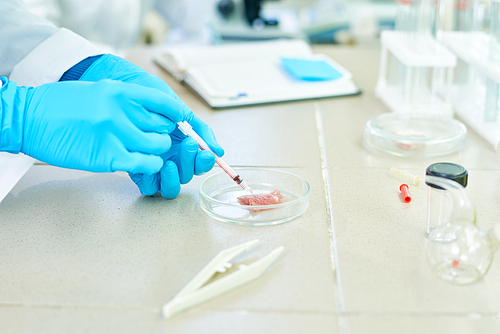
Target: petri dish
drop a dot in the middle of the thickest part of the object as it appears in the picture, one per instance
(218, 197)
(414, 135)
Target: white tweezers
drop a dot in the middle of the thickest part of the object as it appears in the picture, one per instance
(195, 293)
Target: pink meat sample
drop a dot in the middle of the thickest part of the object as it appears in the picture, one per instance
(262, 199)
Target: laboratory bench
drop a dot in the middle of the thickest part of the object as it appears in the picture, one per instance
(82, 252)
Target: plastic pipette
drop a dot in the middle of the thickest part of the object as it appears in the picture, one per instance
(413, 178)
(187, 129)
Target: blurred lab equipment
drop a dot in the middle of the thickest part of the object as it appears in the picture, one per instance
(253, 14)
(457, 251)
(438, 202)
(226, 8)
(253, 20)
(347, 21)
(197, 291)
(475, 41)
(416, 71)
(415, 82)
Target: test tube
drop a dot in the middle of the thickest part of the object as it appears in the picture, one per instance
(494, 34)
(426, 18)
(442, 19)
(423, 13)
(474, 21)
(403, 17)
(492, 87)
(396, 71)
(491, 101)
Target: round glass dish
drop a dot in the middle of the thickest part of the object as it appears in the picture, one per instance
(414, 135)
(218, 197)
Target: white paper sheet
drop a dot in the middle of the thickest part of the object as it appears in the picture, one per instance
(12, 169)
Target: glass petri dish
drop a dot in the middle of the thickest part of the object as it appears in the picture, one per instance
(218, 197)
(414, 135)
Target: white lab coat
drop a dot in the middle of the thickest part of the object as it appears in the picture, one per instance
(113, 24)
(116, 25)
(33, 51)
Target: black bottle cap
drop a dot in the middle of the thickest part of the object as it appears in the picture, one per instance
(448, 171)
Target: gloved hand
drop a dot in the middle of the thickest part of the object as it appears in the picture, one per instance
(181, 162)
(184, 159)
(100, 127)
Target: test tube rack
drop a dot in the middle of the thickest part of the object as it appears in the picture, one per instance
(415, 78)
(476, 88)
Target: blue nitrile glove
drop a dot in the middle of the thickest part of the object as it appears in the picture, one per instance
(100, 127)
(184, 159)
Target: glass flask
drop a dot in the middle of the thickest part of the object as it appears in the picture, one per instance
(457, 251)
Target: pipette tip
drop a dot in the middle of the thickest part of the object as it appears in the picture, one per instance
(415, 179)
(245, 186)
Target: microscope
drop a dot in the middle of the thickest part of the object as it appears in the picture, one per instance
(244, 20)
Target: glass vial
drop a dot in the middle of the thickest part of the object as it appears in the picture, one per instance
(439, 203)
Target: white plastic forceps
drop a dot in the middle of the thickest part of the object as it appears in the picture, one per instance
(195, 293)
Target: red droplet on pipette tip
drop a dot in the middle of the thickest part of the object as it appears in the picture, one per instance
(406, 193)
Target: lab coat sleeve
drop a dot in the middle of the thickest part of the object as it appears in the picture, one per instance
(32, 50)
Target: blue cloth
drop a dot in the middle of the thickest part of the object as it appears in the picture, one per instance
(310, 70)
(75, 72)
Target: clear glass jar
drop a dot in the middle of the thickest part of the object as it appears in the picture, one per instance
(439, 202)
(438, 209)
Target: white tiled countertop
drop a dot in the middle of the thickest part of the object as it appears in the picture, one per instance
(86, 253)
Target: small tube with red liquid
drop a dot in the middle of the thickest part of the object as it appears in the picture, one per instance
(187, 129)
(405, 192)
